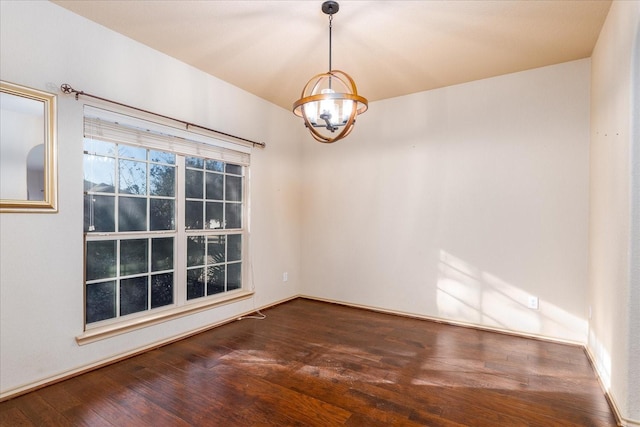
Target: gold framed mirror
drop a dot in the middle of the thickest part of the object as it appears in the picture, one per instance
(28, 151)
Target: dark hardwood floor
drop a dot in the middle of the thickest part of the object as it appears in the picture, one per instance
(311, 363)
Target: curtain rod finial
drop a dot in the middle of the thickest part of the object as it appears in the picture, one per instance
(66, 88)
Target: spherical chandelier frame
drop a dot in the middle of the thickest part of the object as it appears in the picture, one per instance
(310, 96)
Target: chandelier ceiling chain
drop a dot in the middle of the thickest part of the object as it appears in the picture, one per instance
(330, 102)
(330, 28)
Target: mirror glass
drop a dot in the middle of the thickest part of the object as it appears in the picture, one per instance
(27, 149)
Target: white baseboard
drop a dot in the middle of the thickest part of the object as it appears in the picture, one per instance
(622, 421)
(32, 386)
(447, 321)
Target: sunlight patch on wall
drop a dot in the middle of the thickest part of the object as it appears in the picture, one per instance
(466, 293)
(499, 310)
(458, 300)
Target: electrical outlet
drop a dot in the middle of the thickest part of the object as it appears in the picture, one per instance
(533, 303)
(285, 276)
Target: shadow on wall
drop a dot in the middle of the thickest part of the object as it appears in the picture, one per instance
(468, 294)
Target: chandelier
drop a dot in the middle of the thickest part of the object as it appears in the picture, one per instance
(330, 102)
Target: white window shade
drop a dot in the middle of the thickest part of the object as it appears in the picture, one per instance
(119, 128)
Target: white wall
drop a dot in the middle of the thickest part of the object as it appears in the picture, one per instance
(41, 288)
(614, 272)
(459, 203)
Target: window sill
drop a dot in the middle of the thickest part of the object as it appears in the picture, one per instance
(109, 331)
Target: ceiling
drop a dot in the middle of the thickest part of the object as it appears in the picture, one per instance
(390, 48)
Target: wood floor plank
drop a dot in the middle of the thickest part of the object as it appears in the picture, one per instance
(311, 363)
(12, 416)
(40, 413)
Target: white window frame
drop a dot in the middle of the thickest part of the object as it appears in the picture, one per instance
(125, 129)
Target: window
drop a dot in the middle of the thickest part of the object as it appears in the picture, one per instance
(213, 192)
(164, 219)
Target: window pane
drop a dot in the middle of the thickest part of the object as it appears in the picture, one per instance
(195, 283)
(161, 213)
(93, 146)
(162, 157)
(195, 251)
(193, 184)
(132, 214)
(234, 276)
(99, 213)
(233, 215)
(215, 165)
(193, 215)
(101, 259)
(134, 294)
(162, 254)
(130, 152)
(133, 257)
(234, 247)
(214, 186)
(215, 279)
(161, 289)
(215, 250)
(133, 177)
(194, 162)
(99, 174)
(214, 219)
(101, 301)
(162, 180)
(234, 169)
(233, 187)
